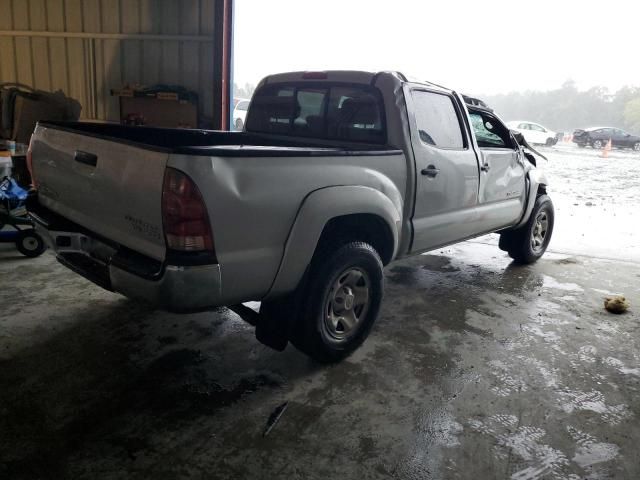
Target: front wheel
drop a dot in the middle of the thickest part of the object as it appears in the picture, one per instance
(30, 244)
(597, 144)
(343, 297)
(636, 147)
(528, 243)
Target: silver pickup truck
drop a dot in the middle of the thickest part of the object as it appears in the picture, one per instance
(336, 175)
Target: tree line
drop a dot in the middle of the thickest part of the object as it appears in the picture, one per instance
(562, 110)
(567, 108)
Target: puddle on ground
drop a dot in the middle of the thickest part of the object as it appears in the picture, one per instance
(594, 401)
(553, 284)
(534, 458)
(589, 451)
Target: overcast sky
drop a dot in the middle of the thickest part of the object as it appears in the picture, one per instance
(474, 47)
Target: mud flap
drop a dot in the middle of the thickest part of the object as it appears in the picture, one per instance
(272, 329)
(280, 317)
(506, 241)
(269, 330)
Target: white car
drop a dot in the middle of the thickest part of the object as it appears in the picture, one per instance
(534, 132)
(239, 114)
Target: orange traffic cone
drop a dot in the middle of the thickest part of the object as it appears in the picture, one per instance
(606, 149)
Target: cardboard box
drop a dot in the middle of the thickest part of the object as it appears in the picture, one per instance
(158, 112)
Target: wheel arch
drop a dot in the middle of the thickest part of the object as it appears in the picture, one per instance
(537, 185)
(340, 213)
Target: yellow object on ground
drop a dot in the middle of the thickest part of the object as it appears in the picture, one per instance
(617, 304)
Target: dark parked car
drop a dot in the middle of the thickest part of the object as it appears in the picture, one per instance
(598, 138)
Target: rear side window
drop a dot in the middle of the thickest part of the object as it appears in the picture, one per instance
(348, 113)
(243, 105)
(438, 122)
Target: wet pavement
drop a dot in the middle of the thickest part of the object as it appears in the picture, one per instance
(476, 368)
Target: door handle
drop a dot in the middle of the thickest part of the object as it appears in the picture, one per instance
(485, 167)
(86, 158)
(431, 171)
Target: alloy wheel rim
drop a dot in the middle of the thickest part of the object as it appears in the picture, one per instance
(30, 244)
(347, 304)
(539, 233)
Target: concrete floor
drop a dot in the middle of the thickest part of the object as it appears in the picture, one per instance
(476, 368)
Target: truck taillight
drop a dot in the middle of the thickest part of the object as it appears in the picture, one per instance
(29, 162)
(184, 214)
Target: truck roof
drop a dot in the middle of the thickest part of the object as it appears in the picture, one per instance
(364, 77)
(350, 76)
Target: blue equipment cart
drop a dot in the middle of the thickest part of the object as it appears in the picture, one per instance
(13, 214)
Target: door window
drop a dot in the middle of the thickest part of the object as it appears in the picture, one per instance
(537, 128)
(437, 119)
(490, 133)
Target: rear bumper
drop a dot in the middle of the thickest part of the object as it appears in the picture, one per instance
(179, 288)
(116, 268)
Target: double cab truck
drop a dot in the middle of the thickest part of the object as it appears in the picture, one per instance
(335, 175)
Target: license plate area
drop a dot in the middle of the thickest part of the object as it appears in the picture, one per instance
(73, 242)
(84, 265)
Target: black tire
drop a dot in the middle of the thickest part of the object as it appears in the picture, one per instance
(549, 142)
(519, 244)
(30, 244)
(239, 124)
(636, 147)
(597, 144)
(313, 332)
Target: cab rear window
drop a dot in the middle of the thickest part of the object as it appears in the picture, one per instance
(335, 112)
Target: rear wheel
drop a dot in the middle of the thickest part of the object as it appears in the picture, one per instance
(528, 243)
(597, 144)
(30, 244)
(343, 297)
(549, 142)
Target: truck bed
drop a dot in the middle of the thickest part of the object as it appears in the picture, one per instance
(208, 142)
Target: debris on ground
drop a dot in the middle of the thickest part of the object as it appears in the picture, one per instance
(616, 304)
(274, 417)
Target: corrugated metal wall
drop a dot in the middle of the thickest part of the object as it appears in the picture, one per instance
(88, 47)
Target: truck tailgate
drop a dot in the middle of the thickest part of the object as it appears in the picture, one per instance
(111, 188)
